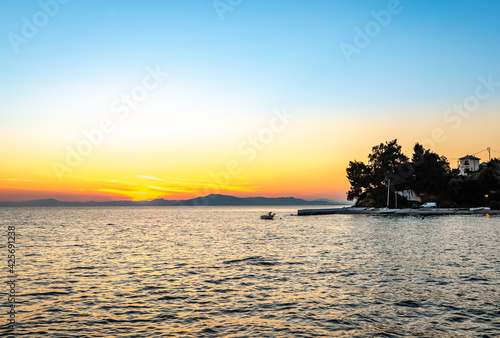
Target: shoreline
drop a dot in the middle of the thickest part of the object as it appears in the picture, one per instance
(400, 212)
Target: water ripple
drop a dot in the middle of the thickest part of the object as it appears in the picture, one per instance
(212, 272)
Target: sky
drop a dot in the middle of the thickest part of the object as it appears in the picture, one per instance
(137, 100)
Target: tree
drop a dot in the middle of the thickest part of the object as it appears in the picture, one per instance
(387, 161)
(431, 172)
(384, 163)
(467, 191)
(473, 189)
(490, 175)
(428, 174)
(359, 176)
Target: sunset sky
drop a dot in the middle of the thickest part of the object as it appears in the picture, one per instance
(113, 100)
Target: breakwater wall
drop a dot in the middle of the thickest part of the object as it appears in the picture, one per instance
(403, 212)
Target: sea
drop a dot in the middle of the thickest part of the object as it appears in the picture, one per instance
(224, 272)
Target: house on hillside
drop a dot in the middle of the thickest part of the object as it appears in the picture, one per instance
(410, 195)
(468, 164)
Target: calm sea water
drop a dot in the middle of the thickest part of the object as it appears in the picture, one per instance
(223, 272)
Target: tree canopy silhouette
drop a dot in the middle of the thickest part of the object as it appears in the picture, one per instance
(428, 174)
(386, 161)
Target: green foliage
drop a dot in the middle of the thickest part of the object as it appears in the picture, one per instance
(490, 175)
(385, 162)
(495, 205)
(367, 179)
(431, 172)
(472, 192)
(358, 175)
(494, 196)
(428, 174)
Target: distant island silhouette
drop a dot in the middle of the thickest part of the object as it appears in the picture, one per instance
(209, 200)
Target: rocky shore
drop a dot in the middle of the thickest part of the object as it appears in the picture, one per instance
(401, 212)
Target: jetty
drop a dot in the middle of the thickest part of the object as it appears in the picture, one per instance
(401, 212)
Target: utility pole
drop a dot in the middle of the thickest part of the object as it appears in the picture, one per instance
(388, 191)
(489, 153)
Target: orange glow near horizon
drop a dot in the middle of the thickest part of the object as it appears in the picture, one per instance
(172, 101)
(307, 160)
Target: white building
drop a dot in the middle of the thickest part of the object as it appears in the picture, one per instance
(468, 164)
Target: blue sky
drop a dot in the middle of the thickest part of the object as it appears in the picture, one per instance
(275, 52)
(233, 72)
(285, 52)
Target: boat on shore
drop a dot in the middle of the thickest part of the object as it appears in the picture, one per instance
(387, 211)
(480, 209)
(270, 215)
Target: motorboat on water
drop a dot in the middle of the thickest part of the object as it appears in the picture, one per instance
(270, 215)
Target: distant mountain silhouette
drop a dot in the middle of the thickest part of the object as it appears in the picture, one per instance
(210, 200)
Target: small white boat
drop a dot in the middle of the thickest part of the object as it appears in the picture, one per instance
(480, 209)
(387, 211)
(268, 216)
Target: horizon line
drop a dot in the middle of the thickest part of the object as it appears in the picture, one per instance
(161, 198)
